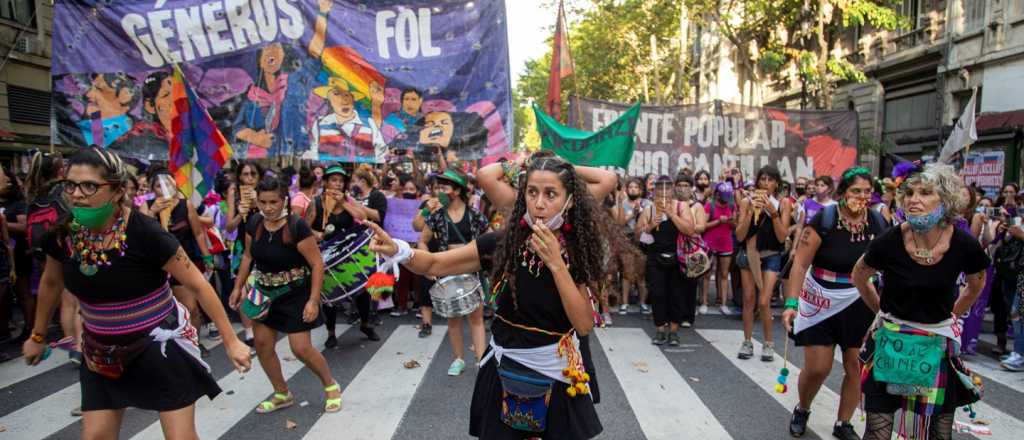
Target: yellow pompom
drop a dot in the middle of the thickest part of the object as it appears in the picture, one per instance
(566, 372)
(571, 391)
(780, 388)
(581, 388)
(586, 377)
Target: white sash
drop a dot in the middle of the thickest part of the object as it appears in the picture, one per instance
(185, 336)
(544, 360)
(818, 303)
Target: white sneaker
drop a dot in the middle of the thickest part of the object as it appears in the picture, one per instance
(623, 309)
(725, 310)
(686, 324)
(703, 310)
(645, 309)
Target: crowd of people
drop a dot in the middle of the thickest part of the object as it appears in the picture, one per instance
(856, 263)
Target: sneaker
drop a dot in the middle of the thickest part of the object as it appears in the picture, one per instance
(844, 431)
(75, 357)
(645, 309)
(425, 330)
(673, 339)
(1014, 364)
(457, 367)
(725, 310)
(746, 350)
(370, 333)
(703, 309)
(203, 351)
(768, 352)
(332, 341)
(659, 338)
(798, 422)
(398, 313)
(686, 324)
(623, 309)
(214, 334)
(353, 319)
(76, 411)
(1006, 357)
(606, 318)
(419, 315)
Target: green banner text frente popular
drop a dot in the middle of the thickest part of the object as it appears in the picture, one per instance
(612, 145)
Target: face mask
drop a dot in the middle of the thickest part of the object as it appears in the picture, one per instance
(555, 221)
(800, 190)
(855, 204)
(409, 196)
(281, 215)
(702, 186)
(924, 223)
(92, 218)
(443, 198)
(634, 196)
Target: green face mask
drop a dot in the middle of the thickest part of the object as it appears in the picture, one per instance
(443, 198)
(92, 218)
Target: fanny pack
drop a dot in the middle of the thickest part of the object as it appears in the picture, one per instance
(907, 363)
(110, 361)
(666, 260)
(259, 296)
(283, 278)
(525, 395)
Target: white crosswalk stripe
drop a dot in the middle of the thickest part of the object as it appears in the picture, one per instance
(824, 407)
(652, 384)
(248, 390)
(383, 388)
(382, 393)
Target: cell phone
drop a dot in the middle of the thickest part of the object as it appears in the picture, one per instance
(1016, 221)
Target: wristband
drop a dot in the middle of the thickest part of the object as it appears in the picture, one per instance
(37, 338)
(792, 304)
(208, 261)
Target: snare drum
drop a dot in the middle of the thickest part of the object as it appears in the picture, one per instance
(456, 295)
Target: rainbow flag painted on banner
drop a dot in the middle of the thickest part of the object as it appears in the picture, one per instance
(345, 63)
(198, 149)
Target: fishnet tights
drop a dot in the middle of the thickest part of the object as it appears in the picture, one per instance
(879, 427)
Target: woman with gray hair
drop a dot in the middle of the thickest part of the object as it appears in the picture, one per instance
(911, 353)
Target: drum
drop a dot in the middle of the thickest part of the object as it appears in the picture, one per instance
(348, 263)
(456, 295)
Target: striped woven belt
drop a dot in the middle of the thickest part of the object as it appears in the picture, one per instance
(832, 277)
(122, 318)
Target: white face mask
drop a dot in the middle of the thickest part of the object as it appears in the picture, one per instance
(555, 221)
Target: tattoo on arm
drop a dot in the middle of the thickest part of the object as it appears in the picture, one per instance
(181, 257)
(805, 236)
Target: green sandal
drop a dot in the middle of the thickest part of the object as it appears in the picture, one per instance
(278, 401)
(332, 405)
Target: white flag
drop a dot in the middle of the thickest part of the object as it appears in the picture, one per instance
(964, 133)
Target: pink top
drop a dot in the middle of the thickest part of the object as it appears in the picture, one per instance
(718, 237)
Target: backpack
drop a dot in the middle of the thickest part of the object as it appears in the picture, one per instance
(1007, 257)
(692, 253)
(830, 216)
(43, 214)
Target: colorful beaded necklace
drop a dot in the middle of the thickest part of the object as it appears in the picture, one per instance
(533, 263)
(89, 251)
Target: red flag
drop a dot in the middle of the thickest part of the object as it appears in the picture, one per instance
(561, 66)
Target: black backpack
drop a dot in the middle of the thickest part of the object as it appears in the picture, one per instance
(43, 213)
(1008, 257)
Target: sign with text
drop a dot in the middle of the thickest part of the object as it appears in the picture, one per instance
(398, 222)
(984, 169)
(720, 136)
(340, 80)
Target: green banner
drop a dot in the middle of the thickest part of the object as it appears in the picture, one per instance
(612, 145)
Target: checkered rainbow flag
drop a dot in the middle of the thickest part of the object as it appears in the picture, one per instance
(198, 149)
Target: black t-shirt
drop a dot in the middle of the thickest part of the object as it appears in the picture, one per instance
(665, 236)
(377, 200)
(342, 221)
(540, 305)
(181, 228)
(919, 293)
(12, 210)
(269, 252)
(138, 273)
(837, 252)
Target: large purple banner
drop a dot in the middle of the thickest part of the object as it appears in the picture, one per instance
(346, 80)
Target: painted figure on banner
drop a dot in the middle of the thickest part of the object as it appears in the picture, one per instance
(344, 135)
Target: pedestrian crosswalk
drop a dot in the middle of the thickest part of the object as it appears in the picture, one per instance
(697, 390)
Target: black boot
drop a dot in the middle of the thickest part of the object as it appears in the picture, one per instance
(844, 431)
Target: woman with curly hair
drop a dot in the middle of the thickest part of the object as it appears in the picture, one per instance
(919, 305)
(541, 267)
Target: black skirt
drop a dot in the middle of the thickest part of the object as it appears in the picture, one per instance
(845, 329)
(285, 314)
(150, 382)
(569, 418)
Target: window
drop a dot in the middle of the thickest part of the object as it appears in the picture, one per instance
(28, 106)
(911, 10)
(973, 14)
(910, 112)
(21, 11)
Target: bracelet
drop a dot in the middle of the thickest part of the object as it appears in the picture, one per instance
(37, 338)
(792, 304)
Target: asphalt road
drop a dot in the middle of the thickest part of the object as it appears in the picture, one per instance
(697, 390)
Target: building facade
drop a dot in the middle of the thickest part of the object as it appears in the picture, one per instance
(25, 52)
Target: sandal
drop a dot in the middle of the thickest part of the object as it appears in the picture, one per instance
(278, 401)
(332, 405)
